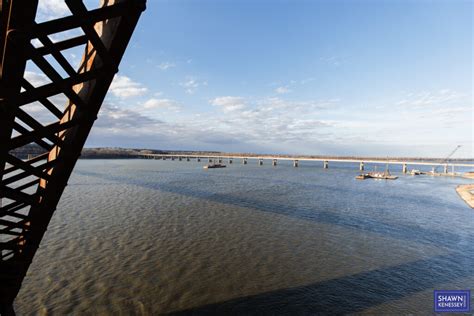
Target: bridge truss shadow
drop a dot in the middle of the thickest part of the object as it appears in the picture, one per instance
(340, 296)
(348, 294)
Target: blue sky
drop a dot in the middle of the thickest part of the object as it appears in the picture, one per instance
(382, 78)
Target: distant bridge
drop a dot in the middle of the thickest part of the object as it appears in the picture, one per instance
(325, 161)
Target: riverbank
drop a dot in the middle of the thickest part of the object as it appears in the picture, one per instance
(469, 175)
(465, 191)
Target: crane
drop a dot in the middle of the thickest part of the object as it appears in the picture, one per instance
(445, 160)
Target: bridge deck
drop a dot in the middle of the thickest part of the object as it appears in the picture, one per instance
(395, 162)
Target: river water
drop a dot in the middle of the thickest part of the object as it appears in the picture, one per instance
(146, 237)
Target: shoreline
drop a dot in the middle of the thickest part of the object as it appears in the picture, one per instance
(465, 191)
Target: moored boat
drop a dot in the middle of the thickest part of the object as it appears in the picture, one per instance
(214, 165)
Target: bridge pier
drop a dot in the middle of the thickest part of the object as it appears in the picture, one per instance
(325, 164)
(445, 169)
(404, 168)
(244, 161)
(260, 162)
(198, 159)
(172, 158)
(230, 161)
(209, 159)
(361, 166)
(180, 158)
(219, 160)
(433, 170)
(274, 162)
(295, 163)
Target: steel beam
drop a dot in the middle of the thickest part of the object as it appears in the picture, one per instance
(30, 190)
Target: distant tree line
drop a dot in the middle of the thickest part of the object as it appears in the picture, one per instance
(128, 153)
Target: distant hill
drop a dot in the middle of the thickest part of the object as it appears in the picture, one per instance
(116, 152)
(107, 152)
(30, 149)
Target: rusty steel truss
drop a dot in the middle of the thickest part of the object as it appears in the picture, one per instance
(30, 189)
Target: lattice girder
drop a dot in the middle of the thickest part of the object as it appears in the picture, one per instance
(30, 189)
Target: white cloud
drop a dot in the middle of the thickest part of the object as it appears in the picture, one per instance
(116, 120)
(241, 124)
(191, 85)
(228, 103)
(311, 126)
(271, 121)
(167, 104)
(282, 90)
(445, 106)
(430, 99)
(308, 124)
(124, 87)
(427, 122)
(36, 79)
(52, 9)
(166, 65)
(295, 108)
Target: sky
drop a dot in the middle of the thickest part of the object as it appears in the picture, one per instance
(377, 78)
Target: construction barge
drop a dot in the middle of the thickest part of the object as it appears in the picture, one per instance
(376, 175)
(385, 175)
